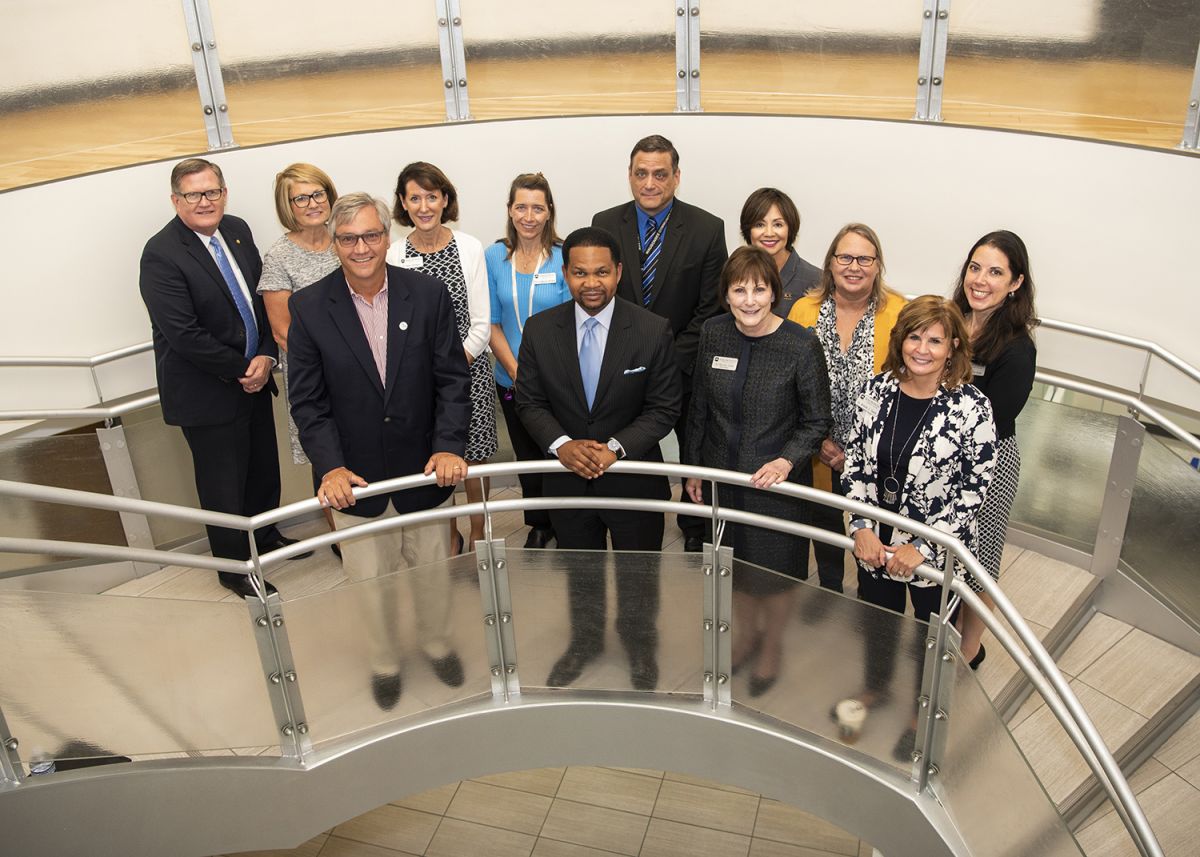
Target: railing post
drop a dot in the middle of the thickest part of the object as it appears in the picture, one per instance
(11, 769)
(279, 668)
(931, 60)
(718, 623)
(499, 634)
(687, 56)
(1118, 494)
(454, 60)
(121, 477)
(1191, 125)
(933, 704)
(209, 80)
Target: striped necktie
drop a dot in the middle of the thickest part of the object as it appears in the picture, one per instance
(651, 249)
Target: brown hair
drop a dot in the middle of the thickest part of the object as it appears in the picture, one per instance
(427, 177)
(191, 166)
(1016, 316)
(759, 203)
(916, 316)
(749, 265)
(879, 289)
(308, 174)
(530, 181)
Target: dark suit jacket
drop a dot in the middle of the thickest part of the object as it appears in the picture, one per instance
(199, 337)
(638, 396)
(346, 417)
(688, 275)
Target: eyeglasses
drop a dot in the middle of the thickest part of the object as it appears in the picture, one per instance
(305, 199)
(349, 239)
(847, 260)
(193, 196)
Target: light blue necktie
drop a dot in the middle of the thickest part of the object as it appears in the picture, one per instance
(239, 298)
(589, 360)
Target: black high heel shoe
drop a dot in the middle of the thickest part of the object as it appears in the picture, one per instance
(978, 659)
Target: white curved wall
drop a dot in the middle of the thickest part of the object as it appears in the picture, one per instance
(1111, 229)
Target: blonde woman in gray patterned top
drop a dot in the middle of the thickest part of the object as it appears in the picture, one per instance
(304, 195)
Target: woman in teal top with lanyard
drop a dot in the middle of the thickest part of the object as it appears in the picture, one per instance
(525, 276)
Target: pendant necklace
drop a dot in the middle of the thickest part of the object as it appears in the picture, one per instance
(891, 486)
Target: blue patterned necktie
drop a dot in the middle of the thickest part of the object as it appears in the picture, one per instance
(589, 360)
(239, 297)
(651, 248)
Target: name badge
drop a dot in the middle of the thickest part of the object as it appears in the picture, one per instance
(412, 262)
(869, 404)
(545, 278)
(729, 364)
(978, 370)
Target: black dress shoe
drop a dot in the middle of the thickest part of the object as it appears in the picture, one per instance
(337, 550)
(282, 542)
(449, 669)
(570, 665)
(978, 659)
(240, 584)
(905, 744)
(539, 537)
(693, 544)
(643, 668)
(386, 690)
(760, 684)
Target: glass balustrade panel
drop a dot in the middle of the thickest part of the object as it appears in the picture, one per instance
(98, 675)
(608, 607)
(1162, 537)
(1111, 71)
(826, 663)
(542, 58)
(379, 650)
(309, 69)
(981, 762)
(835, 59)
(60, 461)
(88, 86)
(1065, 455)
(162, 464)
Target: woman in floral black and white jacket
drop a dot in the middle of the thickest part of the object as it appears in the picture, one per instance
(923, 446)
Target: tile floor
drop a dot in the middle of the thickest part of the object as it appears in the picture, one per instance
(582, 812)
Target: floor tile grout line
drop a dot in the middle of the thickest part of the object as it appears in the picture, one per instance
(653, 807)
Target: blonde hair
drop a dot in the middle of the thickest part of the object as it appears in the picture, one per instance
(308, 174)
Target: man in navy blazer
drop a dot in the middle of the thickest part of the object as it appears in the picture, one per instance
(213, 353)
(600, 382)
(379, 388)
(673, 253)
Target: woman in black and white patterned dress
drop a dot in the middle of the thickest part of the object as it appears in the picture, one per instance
(995, 293)
(426, 200)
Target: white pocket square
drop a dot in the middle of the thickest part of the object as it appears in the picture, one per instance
(635, 371)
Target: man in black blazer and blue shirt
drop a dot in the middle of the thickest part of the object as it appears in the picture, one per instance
(599, 383)
(379, 388)
(214, 353)
(673, 256)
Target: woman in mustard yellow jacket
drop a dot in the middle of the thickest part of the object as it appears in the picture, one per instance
(853, 312)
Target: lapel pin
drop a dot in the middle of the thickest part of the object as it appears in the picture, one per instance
(403, 325)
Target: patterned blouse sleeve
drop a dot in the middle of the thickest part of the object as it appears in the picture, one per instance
(275, 277)
(854, 470)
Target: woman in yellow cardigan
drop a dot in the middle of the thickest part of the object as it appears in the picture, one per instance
(853, 312)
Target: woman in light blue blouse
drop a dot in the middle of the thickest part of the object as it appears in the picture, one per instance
(525, 276)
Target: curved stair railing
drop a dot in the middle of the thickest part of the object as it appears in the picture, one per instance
(935, 713)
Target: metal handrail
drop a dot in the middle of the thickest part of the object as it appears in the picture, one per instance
(1121, 339)
(81, 362)
(1066, 707)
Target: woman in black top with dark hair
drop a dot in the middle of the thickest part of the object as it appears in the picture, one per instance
(995, 293)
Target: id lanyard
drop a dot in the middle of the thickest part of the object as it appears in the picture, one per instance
(532, 286)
